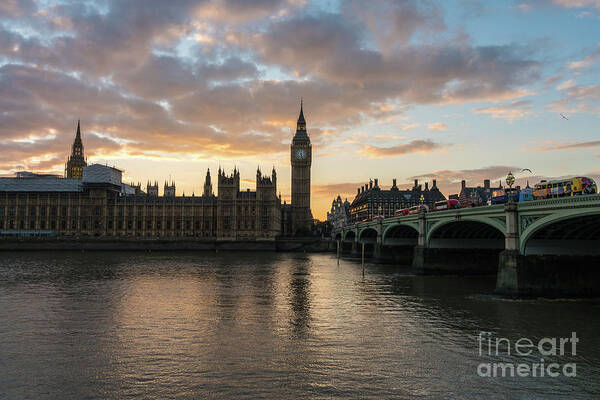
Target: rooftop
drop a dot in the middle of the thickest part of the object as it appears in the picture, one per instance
(40, 185)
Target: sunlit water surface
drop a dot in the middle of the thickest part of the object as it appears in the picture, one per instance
(274, 325)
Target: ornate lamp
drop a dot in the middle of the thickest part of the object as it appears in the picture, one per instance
(510, 180)
(422, 198)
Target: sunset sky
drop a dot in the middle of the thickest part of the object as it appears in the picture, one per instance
(452, 90)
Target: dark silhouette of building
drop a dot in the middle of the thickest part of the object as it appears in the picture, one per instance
(476, 196)
(76, 161)
(169, 189)
(93, 201)
(372, 201)
(208, 189)
(152, 189)
(301, 158)
(339, 215)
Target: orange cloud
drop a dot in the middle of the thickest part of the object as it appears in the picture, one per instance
(414, 146)
(437, 126)
(551, 146)
(510, 111)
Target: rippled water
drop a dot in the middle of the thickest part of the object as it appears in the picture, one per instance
(273, 325)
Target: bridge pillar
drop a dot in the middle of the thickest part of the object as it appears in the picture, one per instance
(355, 247)
(377, 250)
(510, 260)
(543, 274)
(420, 251)
(512, 227)
(422, 239)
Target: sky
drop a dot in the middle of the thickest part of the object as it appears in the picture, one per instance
(446, 90)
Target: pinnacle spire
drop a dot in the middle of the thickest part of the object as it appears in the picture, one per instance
(78, 134)
(301, 116)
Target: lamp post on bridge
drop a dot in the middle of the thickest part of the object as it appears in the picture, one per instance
(510, 180)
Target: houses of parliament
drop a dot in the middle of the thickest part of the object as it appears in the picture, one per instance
(92, 201)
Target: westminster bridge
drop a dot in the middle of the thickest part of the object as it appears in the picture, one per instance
(542, 247)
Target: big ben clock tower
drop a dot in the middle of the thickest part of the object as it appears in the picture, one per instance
(301, 152)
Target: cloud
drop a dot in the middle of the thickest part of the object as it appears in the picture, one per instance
(524, 7)
(414, 146)
(406, 127)
(577, 99)
(509, 111)
(552, 146)
(566, 85)
(586, 62)
(437, 126)
(221, 79)
(449, 180)
(395, 23)
(327, 47)
(577, 3)
(344, 189)
(124, 69)
(16, 8)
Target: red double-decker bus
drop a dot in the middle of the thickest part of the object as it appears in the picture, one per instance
(446, 205)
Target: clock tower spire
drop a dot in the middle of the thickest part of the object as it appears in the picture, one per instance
(301, 158)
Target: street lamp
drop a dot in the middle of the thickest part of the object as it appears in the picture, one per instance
(380, 210)
(422, 198)
(510, 180)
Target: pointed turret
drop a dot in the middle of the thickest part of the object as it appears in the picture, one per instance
(78, 134)
(208, 191)
(76, 161)
(301, 134)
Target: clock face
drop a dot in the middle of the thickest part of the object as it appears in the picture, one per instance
(301, 154)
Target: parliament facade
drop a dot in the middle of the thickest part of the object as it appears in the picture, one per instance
(92, 201)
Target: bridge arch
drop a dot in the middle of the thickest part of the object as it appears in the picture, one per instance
(467, 232)
(568, 232)
(368, 235)
(349, 236)
(400, 234)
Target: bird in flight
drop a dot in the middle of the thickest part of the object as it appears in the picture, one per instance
(564, 117)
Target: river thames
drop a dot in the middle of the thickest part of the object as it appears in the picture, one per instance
(270, 325)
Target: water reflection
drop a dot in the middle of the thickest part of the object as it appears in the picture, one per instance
(247, 325)
(300, 302)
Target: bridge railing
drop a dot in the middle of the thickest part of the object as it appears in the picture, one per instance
(561, 200)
